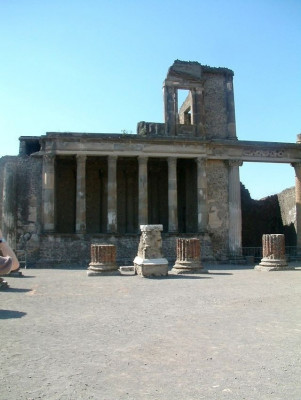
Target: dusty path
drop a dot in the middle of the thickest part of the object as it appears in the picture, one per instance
(231, 334)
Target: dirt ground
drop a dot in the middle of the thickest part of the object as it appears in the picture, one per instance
(234, 333)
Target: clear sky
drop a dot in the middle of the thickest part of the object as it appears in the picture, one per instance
(98, 66)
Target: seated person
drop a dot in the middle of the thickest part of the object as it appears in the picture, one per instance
(9, 262)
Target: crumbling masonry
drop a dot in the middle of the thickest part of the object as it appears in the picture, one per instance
(66, 191)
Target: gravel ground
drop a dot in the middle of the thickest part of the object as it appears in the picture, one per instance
(234, 333)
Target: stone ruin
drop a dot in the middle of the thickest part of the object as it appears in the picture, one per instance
(273, 252)
(68, 190)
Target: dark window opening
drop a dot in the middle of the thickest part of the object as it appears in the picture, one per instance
(32, 146)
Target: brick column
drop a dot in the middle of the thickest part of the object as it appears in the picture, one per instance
(143, 196)
(172, 195)
(234, 209)
(273, 253)
(81, 194)
(188, 257)
(297, 167)
(202, 194)
(103, 260)
(48, 192)
(112, 194)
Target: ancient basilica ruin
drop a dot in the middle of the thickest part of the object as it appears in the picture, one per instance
(66, 191)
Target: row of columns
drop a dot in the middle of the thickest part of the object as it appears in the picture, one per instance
(234, 196)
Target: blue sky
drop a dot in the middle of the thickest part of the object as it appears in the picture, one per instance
(98, 66)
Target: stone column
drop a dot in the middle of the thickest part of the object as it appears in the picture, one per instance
(112, 194)
(188, 257)
(202, 195)
(103, 260)
(9, 205)
(273, 253)
(172, 195)
(235, 220)
(81, 194)
(149, 260)
(231, 124)
(143, 196)
(297, 167)
(48, 192)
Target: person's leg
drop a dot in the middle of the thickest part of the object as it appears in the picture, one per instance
(5, 265)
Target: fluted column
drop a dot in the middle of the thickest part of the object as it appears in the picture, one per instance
(143, 194)
(103, 260)
(235, 220)
(48, 192)
(112, 194)
(273, 254)
(188, 257)
(81, 194)
(202, 194)
(297, 167)
(172, 195)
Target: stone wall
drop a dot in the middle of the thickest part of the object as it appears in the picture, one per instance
(273, 214)
(215, 106)
(218, 211)
(287, 204)
(74, 250)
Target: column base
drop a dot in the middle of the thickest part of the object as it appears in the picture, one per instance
(102, 269)
(188, 267)
(273, 265)
(151, 267)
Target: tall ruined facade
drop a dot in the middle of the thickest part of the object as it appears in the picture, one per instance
(65, 191)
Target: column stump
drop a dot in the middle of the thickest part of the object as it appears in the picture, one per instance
(103, 260)
(188, 257)
(273, 254)
(149, 260)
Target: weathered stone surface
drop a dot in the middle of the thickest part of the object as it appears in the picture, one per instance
(103, 260)
(127, 270)
(149, 260)
(67, 188)
(273, 252)
(188, 257)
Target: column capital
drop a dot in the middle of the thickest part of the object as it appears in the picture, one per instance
(201, 161)
(81, 157)
(49, 157)
(235, 163)
(171, 160)
(142, 159)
